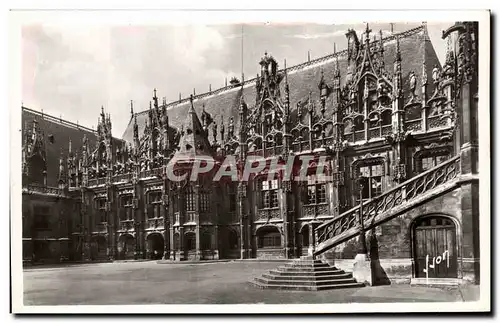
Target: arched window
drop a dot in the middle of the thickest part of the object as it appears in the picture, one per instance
(233, 240)
(190, 239)
(269, 237)
(206, 241)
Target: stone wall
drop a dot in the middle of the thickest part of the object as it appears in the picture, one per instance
(390, 244)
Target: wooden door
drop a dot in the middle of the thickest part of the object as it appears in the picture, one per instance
(435, 248)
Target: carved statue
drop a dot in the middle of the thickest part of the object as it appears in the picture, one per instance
(413, 83)
(435, 74)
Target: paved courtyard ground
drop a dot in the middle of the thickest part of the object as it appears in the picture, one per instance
(210, 283)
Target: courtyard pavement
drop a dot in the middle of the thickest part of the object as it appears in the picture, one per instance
(208, 283)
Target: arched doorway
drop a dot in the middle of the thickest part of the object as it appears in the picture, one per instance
(304, 240)
(268, 237)
(155, 246)
(99, 247)
(126, 246)
(434, 247)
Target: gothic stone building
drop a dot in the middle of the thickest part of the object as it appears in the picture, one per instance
(395, 130)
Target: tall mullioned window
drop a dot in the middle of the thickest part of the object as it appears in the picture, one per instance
(154, 208)
(101, 210)
(126, 208)
(316, 190)
(204, 202)
(232, 198)
(269, 193)
(190, 200)
(371, 180)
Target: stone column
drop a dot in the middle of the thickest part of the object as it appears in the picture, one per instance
(312, 242)
(243, 216)
(198, 221)
(286, 189)
(362, 271)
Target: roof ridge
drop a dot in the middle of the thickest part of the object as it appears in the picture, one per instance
(59, 120)
(63, 122)
(403, 34)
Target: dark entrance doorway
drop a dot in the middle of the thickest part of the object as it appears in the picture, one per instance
(156, 246)
(435, 247)
(304, 240)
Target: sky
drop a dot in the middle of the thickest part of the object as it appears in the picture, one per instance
(70, 71)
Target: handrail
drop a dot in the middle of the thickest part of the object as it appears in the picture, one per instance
(406, 191)
(449, 161)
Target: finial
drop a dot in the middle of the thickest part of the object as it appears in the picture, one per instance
(308, 56)
(191, 109)
(154, 93)
(180, 96)
(194, 91)
(398, 50)
(225, 82)
(424, 73)
(209, 87)
(367, 32)
(164, 100)
(334, 48)
(131, 107)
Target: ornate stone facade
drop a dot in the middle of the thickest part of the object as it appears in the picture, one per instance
(382, 110)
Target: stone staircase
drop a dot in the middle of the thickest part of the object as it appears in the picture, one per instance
(306, 274)
(413, 192)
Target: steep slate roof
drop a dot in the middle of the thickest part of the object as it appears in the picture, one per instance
(193, 144)
(62, 131)
(415, 48)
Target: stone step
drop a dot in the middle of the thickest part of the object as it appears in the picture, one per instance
(307, 277)
(307, 264)
(332, 271)
(306, 268)
(305, 282)
(307, 288)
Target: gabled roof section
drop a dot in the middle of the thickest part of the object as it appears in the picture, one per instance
(415, 47)
(193, 143)
(57, 133)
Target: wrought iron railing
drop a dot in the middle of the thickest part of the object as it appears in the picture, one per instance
(329, 234)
